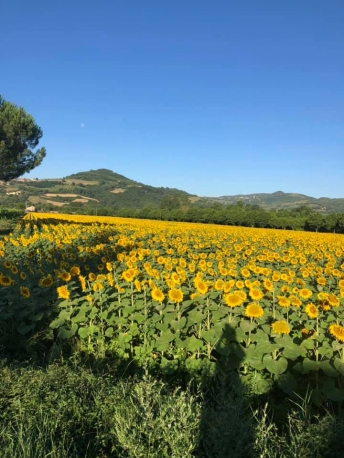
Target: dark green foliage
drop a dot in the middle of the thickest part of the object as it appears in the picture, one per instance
(19, 134)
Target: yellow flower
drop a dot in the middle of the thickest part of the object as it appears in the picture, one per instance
(157, 295)
(137, 284)
(201, 286)
(233, 299)
(109, 266)
(74, 271)
(129, 275)
(219, 285)
(283, 301)
(24, 291)
(240, 284)
(245, 272)
(337, 331)
(333, 300)
(65, 276)
(280, 327)
(175, 295)
(63, 292)
(5, 280)
(92, 276)
(97, 286)
(305, 293)
(23, 275)
(268, 285)
(47, 281)
(82, 281)
(254, 311)
(256, 294)
(311, 311)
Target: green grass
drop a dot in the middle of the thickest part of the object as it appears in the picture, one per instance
(71, 411)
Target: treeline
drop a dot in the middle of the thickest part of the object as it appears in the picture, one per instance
(301, 218)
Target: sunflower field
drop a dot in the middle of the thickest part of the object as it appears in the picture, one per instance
(265, 305)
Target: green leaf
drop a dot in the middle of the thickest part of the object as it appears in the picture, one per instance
(339, 365)
(247, 326)
(310, 365)
(178, 324)
(308, 344)
(57, 323)
(65, 333)
(195, 317)
(275, 366)
(193, 344)
(328, 369)
(260, 385)
(287, 383)
(109, 332)
(209, 336)
(264, 347)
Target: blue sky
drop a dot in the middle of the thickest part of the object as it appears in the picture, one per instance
(215, 97)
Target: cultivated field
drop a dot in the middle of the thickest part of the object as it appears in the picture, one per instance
(180, 297)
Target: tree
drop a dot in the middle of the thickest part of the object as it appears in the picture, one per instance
(19, 134)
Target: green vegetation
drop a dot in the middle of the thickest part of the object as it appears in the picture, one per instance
(19, 134)
(103, 192)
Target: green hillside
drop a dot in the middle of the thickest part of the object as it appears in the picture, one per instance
(103, 188)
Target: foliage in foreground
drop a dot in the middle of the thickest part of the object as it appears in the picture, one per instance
(71, 411)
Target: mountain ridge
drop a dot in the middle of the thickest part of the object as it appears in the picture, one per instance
(103, 187)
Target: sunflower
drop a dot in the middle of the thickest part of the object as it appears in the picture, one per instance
(337, 331)
(82, 281)
(201, 286)
(219, 285)
(157, 295)
(321, 281)
(74, 271)
(280, 327)
(245, 272)
(23, 275)
(256, 294)
(305, 293)
(7, 264)
(283, 301)
(46, 282)
(175, 295)
(254, 311)
(65, 276)
(228, 285)
(175, 278)
(240, 284)
(14, 270)
(5, 280)
(25, 292)
(268, 285)
(333, 300)
(307, 332)
(63, 292)
(233, 299)
(295, 301)
(92, 276)
(128, 275)
(97, 286)
(312, 311)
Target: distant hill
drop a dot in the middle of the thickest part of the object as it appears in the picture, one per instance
(105, 188)
(283, 200)
(101, 188)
